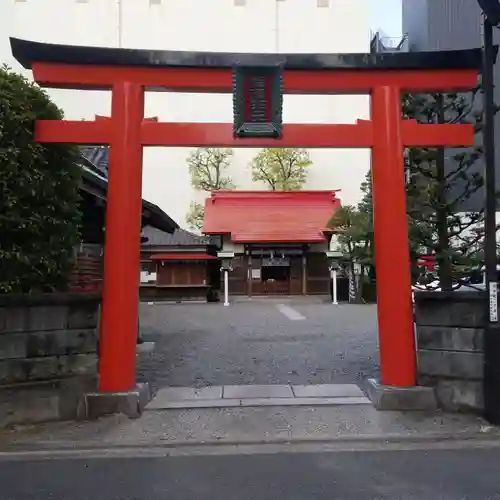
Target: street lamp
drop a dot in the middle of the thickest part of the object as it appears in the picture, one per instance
(226, 261)
(333, 266)
(491, 18)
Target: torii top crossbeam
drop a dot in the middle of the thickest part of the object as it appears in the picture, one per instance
(434, 68)
(64, 66)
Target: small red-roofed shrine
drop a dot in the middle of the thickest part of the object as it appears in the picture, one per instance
(279, 239)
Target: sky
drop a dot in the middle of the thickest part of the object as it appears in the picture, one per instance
(386, 14)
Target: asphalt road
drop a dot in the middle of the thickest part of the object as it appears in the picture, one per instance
(417, 475)
(200, 345)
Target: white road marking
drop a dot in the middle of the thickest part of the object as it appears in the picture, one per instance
(290, 313)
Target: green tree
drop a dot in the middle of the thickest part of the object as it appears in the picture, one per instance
(39, 207)
(365, 209)
(440, 182)
(195, 216)
(282, 169)
(208, 172)
(354, 239)
(208, 169)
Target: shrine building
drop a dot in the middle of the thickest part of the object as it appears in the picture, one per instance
(277, 241)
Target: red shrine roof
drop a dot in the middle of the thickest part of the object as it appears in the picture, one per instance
(270, 216)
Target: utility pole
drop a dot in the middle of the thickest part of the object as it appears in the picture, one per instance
(492, 330)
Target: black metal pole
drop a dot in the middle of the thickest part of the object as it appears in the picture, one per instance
(492, 330)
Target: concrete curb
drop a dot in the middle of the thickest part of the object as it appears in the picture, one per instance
(492, 437)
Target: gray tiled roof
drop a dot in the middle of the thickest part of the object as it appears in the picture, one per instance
(179, 237)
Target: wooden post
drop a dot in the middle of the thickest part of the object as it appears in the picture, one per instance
(249, 270)
(304, 274)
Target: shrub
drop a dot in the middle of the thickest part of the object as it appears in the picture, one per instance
(39, 199)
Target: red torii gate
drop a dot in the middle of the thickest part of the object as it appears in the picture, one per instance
(129, 73)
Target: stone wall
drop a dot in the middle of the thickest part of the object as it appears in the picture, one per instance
(450, 333)
(48, 354)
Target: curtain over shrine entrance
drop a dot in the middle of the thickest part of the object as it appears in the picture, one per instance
(129, 73)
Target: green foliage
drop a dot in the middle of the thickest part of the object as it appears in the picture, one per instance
(440, 182)
(355, 225)
(207, 168)
(39, 214)
(354, 234)
(281, 169)
(354, 239)
(195, 216)
(208, 171)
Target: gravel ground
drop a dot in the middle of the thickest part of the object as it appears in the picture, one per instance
(253, 342)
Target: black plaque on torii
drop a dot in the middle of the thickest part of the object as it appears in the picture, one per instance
(258, 101)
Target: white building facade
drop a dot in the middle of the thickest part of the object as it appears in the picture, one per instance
(452, 25)
(258, 26)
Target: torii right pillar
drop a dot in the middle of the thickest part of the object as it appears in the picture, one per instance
(396, 389)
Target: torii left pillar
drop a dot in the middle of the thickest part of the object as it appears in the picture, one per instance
(123, 223)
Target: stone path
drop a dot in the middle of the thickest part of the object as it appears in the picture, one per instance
(231, 396)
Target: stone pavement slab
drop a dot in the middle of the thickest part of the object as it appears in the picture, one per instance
(257, 402)
(257, 395)
(198, 403)
(327, 391)
(305, 401)
(257, 391)
(170, 394)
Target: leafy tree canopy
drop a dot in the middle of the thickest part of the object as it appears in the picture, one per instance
(282, 169)
(441, 184)
(195, 216)
(354, 236)
(208, 169)
(39, 204)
